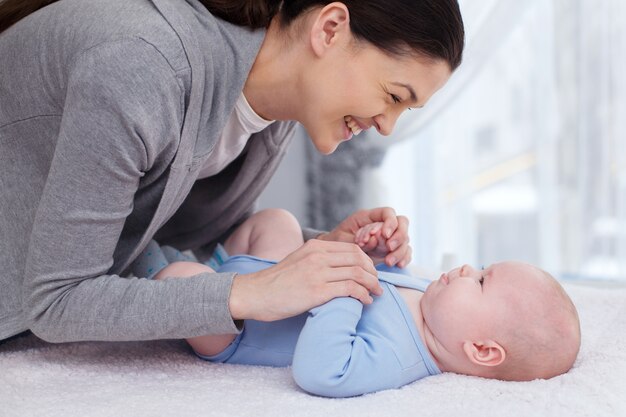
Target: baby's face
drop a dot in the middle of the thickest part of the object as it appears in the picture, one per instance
(468, 303)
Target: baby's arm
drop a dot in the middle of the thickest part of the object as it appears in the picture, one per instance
(332, 359)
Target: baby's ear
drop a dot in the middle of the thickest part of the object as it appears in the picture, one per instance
(484, 353)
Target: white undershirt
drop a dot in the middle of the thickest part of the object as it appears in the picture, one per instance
(241, 123)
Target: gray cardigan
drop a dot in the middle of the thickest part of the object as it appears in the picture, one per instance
(107, 111)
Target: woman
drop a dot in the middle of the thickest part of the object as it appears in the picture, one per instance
(130, 120)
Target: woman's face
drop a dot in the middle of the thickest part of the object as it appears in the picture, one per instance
(361, 87)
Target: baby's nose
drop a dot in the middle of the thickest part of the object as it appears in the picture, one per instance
(466, 270)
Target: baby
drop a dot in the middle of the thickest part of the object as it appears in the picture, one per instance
(509, 321)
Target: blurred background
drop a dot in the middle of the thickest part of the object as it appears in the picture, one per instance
(521, 156)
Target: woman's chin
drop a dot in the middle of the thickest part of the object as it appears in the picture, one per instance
(326, 147)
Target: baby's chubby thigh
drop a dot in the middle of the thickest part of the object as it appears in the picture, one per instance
(182, 269)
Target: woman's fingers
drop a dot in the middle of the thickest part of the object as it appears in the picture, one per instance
(344, 262)
(315, 245)
(351, 255)
(400, 234)
(400, 257)
(334, 254)
(390, 221)
(355, 274)
(407, 258)
(348, 289)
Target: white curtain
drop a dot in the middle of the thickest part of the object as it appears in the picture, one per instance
(523, 154)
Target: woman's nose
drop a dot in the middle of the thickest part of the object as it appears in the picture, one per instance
(386, 122)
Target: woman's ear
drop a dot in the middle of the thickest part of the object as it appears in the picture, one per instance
(331, 26)
(484, 353)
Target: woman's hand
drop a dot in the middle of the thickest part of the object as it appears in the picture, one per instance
(389, 240)
(312, 275)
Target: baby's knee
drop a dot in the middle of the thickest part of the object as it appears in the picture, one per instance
(182, 269)
(277, 218)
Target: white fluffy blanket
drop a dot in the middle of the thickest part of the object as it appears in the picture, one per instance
(163, 378)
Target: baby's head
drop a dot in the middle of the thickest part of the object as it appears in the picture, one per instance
(510, 321)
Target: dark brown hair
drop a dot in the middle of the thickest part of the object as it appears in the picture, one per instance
(433, 28)
(12, 11)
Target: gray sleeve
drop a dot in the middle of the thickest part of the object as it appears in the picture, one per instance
(123, 107)
(309, 233)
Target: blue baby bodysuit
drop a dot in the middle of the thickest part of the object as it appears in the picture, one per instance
(339, 349)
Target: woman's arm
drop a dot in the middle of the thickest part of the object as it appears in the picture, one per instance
(123, 111)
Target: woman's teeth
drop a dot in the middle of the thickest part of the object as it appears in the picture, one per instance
(352, 124)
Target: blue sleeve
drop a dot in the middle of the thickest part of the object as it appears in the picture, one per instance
(337, 356)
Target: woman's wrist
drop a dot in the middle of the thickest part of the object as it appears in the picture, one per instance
(245, 297)
(236, 300)
(322, 236)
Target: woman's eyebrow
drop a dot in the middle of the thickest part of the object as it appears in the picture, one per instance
(411, 90)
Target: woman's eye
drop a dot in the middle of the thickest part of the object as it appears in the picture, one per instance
(395, 98)
(481, 280)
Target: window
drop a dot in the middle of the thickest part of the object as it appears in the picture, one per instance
(527, 159)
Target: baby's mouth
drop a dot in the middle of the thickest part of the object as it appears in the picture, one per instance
(352, 125)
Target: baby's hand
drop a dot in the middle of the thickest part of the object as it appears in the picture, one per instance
(371, 237)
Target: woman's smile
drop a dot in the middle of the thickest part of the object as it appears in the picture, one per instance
(354, 125)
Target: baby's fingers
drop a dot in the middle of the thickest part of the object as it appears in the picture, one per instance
(363, 234)
(361, 237)
(371, 244)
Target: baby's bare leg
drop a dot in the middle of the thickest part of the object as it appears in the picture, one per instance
(270, 234)
(208, 345)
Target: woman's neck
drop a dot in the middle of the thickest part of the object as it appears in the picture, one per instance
(272, 85)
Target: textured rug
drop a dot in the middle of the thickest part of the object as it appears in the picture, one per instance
(163, 378)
